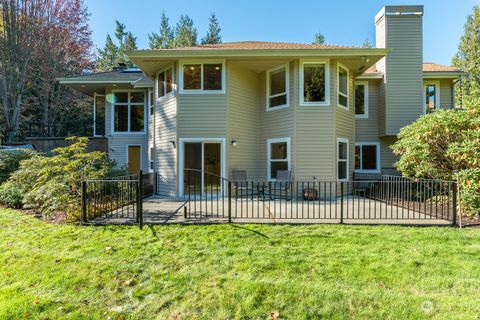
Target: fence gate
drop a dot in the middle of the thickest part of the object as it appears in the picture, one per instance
(116, 199)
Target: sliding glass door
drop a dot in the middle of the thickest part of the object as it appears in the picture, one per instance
(203, 167)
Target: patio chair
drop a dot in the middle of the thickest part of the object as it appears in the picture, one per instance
(282, 184)
(240, 182)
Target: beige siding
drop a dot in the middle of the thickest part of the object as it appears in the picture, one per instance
(387, 158)
(244, 121)
(367, 129)
(315, 142)
(446, 94)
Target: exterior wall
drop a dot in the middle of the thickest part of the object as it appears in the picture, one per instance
(367, 129)
(244, 110)
(446, 94)
(387, 158)
(118, 143)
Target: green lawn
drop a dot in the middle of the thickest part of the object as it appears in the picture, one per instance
(236, 271)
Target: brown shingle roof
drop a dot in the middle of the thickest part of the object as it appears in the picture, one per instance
(427, 67)
(249, 45)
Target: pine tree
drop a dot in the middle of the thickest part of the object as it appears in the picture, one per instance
(213, 34)
(108, 56)
(468, 59)
(319, 38)
(185, 32)
(129, 44)
(165, 38)
(367, 43)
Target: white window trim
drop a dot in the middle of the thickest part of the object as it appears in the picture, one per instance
(201, 63)
(326, 62)
(347, 107)
(145, 114)
(287, 89)
(126, 153)
(151, 160)
(344, 140)
(95, 95)
(150, 102)
(181, 160)
(437, 94)
(365, 114)
(269, 151)
(363, 143)
(159, 98)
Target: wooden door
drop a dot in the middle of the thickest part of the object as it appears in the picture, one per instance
(133, 159)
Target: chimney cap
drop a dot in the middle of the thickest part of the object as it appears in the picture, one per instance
(416, 10)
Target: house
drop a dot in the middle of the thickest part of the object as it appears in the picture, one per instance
(320, 111)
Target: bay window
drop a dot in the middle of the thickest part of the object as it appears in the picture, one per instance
(361, 100)
(277, 88)
(202, 77)
(129, 111)
(278, 156)
(367, 157)
(342, 159)
(314, 83)
(342, 84)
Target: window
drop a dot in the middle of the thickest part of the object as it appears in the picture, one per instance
(432, 96)
(342, 159)
(150, 101)
(151, 156)
(361, 100)
(99, 115)
(342, 87)
(314, 84)
(367, 157)
(129, 111)
(165, 82)
(198, 77)
(277, 88)
(278, 156)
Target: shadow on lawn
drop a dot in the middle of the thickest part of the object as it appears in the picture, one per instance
(251, 230)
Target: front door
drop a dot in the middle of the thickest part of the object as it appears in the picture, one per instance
(133, 159)
(203, 164)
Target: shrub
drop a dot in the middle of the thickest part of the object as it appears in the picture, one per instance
(470, 191)
(10, 161)
(11, 195)
(53, 183)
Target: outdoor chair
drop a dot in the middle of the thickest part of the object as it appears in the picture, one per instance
(240, 182)
(281, 185)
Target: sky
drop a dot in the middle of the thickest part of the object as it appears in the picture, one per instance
(343, 22)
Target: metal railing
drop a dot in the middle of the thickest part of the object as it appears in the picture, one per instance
(376, 199)
(61, 129)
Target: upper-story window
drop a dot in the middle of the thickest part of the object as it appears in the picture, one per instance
(150, 101)
(129, 111)
(164, 82)
(202, 77)
(361, 100)
(432, 96)
(314, 83)
(277, 88)
(343, 88)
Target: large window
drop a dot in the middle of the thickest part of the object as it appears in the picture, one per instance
(99, 115)
(277, 88)
(361, 100)
(314, 84)
(164, 82)
(367, 157)
(432, 96)
(343, 89)
(202, 77)
(342, 159)
(129, 111)
(278, 156)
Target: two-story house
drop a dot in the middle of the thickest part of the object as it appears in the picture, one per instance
(320, 111)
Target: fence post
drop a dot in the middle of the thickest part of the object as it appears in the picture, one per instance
(229, 201)
(84, 201)
(454, 204)
(341, 202)
(140, 199)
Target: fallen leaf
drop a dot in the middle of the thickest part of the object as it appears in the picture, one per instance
(116, 309)
(9, 243)
(108, 249)
(85, 301)
(274, 315)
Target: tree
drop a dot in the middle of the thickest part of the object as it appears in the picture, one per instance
(213, 34)
(108, 56)
(319, 38)
(113, 54)
(367, 43)
(185, 32)
(165, 38)
(467, 59)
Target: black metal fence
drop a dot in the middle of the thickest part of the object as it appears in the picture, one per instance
(372, 199)
(116, 197)
(59, 129)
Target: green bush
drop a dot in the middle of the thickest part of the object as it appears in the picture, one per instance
(11, 195)
(470, 191)
(53, 183)
(10, 161)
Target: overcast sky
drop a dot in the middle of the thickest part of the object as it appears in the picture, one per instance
(342, 22)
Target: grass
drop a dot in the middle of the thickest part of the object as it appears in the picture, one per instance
(236, 271)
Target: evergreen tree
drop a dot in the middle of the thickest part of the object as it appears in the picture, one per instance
(367, 43)
(213, 34)
(165, 38)
(319, 38)
(468, 59)
(107, 57)
(185, 32)
(129, 44)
